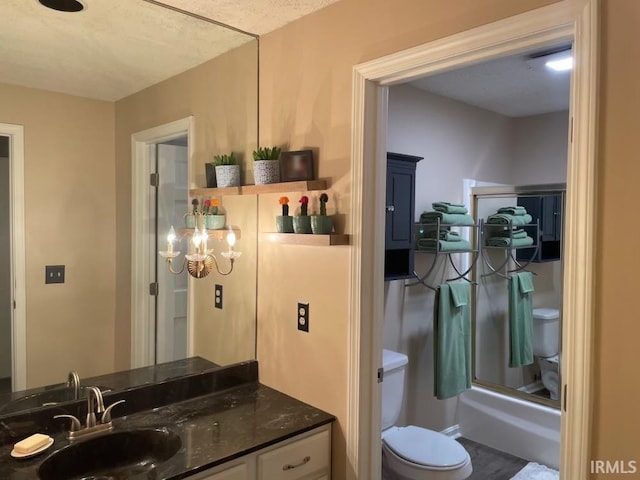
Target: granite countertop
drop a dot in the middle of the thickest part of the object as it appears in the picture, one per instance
(213, 428)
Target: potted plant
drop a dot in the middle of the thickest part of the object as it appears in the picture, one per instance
(266, 167)
(284, 222)
(190, 218)
(322, 224)
(302, 222)
(227, 170)
(213, 220)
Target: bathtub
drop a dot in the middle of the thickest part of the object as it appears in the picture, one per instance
(512, 425)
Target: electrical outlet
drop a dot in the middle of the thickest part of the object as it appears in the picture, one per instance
(218, 296)
(303, 317)
(54, 274)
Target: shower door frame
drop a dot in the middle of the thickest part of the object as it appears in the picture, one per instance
(570, 20)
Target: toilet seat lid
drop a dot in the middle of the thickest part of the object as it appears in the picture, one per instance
(426, 447)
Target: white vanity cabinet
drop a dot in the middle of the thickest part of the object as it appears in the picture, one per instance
(303, 457)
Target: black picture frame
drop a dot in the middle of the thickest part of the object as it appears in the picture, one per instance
(296, 165)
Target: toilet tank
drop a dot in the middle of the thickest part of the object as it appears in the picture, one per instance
(394, 365)
(546, 331)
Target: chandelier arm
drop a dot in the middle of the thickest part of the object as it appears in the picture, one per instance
(215, 262)
(178, 272)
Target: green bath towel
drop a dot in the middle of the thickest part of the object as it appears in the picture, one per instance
(517, 210)
(431, 244)
(446, 218)
(510, 242)
(444, 235)
(446, 207)
(521, 319)
(506, 219)
(452, 339)
(515, 233)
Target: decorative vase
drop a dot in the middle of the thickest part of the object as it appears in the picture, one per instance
(214, 222)
(210, 172)
(266, 171)
(284, 224)
(302, 224)
(321, 224)
(227, 175)
(189, 220)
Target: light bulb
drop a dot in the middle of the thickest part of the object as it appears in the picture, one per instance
(171, 236)
(196, 239)
(231, 239)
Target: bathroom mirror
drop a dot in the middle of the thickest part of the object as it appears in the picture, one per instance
(82, 84)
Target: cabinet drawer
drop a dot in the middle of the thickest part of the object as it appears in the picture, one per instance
(239, 472)
(297, 460)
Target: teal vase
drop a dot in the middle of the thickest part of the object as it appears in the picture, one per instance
(284, 224)
(214, 222)
(302, 224)
(321, 224)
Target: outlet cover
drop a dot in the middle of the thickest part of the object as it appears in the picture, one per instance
(303, 317)
(54, 274)
(218, 296)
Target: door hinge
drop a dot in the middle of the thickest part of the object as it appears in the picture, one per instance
(564, 398)
(153, 289)
(14, 304)
(154, 179)
(380, 375)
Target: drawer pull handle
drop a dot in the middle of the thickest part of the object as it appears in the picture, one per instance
(304, 461)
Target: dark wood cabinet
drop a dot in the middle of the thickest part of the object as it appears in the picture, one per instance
(547, 211)
(400, 215)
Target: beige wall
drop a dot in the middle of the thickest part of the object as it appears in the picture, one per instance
(221, 95)
(305, 101)
(617, 390)
(69, 213)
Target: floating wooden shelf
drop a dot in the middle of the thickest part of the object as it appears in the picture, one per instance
(302, 186)
(212, 234)
(306, 239)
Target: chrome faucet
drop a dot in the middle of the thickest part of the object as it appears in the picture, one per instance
(95, 404)
(73, 382)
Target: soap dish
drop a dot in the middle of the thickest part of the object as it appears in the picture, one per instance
(15, 454)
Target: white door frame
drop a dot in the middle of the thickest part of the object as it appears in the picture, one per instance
(142, 304)
(18, 256)
(567, 20)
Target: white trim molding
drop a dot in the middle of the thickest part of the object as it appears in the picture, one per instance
(18, 256)
(571, 21)
(143, 304)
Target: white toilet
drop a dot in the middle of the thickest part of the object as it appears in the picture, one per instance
(414, 453)
(546, 335)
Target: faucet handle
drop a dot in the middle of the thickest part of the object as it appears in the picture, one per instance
(106, 416)
(75, 423)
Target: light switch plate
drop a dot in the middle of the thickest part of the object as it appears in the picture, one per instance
(54, 274)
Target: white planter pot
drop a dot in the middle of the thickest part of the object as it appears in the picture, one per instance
(266, 171)
(227, 176)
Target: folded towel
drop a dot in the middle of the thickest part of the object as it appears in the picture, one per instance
(452, 339)
(446, 218)
(443, 245)
(446, 207)
(510, 242)
(521, 319)
(506, 219)
(444, 235)
(515, 233)
(517, 210)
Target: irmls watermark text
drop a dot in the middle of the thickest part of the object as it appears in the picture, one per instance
(614, 466)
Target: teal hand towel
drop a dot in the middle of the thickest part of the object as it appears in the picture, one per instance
(515, 233)
(452, 339)
(446, 218)
(444, 235)
(444, 245)
(521, 319)
(446, 207)
(510, 242)
(517, 210)
(506, 219)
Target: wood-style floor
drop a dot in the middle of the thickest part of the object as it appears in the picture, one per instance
(491, 464)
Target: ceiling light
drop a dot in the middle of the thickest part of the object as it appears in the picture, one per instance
(560, 64)
(558, 61)
(64, 5)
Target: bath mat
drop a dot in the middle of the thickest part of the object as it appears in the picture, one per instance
(535, 471)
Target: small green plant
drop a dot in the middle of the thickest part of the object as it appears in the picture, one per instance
(284, 201)
(195, 203)
(219, 160)
(324, 198)
(304, 202)
(266, 153)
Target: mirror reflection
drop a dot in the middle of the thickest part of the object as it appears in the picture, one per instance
(81, 85)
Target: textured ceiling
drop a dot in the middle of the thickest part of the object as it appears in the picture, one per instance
(118, 47)
(510, 86)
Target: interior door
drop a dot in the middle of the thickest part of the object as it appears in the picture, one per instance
(172, 203)
(6, 309)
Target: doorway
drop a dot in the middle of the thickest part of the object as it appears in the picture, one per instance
(569, 22)
(5, 267)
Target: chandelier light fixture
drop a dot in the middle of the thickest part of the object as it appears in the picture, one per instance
(200, 260)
